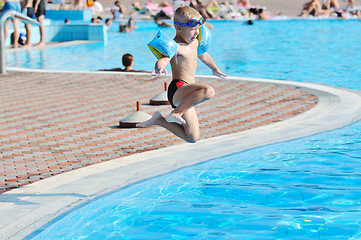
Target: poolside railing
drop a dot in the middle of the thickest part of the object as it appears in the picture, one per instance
(4, 17)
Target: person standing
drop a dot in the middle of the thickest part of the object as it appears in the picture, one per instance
(118, 10)
(12, 5)
(28, 10)
(39, 9)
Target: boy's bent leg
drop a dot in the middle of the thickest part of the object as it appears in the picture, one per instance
(190, 95)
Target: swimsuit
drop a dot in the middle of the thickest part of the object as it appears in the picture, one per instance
(12, 6)
(29, 11)
(173, 87)
(41, 8)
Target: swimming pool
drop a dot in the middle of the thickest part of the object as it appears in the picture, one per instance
(302, 189)
(324, 51)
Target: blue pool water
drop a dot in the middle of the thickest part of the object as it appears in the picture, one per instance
(301, 189)
(325, 51)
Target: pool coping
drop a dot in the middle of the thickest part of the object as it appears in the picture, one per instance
(26, 209)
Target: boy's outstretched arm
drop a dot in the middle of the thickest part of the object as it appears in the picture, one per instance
(208, 60)
(159, 67)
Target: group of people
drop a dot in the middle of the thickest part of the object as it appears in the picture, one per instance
(228, 9)
(214, 9)
(123, 28)
(329, 7)
(164, 11)
(30, 8)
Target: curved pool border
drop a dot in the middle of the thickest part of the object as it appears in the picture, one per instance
(26, 210)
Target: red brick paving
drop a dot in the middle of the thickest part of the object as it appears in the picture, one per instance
(56, 122)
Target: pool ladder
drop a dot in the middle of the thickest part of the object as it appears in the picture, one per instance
(4, 17)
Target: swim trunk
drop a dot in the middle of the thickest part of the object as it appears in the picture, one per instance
(41, 8)
(173, 87)
(29, 12)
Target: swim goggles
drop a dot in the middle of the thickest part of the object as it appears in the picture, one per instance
(191, 23)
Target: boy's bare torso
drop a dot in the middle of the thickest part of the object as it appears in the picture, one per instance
(184, 62)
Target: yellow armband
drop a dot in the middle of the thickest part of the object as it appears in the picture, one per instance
(204, 39)
(162, 46)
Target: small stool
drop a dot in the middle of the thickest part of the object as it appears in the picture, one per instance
(134, 118)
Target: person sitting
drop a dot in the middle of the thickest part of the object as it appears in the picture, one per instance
(312, 8)
(350, 9)
(258, 12)
(332, 6)
(201, 8)
(108, 23)
(78, 5)
(163, 6)
(350, 5)
(213, 6)
(358, 14)
(138, 8)
(118, 10)
(97, 20)
(127, 61)
(12, 5)
(163, 15)
(161, 23)
(125, 28)
(97, 8)
(244, 4)
(131, 22)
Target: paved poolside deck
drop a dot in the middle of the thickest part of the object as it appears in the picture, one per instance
(55, 122)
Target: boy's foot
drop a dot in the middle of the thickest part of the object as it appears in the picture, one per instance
(152, 121)
(176, 118)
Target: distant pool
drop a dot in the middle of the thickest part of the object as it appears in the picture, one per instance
(325, 51)
(302, 189)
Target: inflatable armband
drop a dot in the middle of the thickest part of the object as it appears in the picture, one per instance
(204, 39)
(163, 46)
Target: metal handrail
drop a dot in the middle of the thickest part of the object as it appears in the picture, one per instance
(4, 16)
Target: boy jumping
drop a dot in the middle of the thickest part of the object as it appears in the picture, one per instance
(183, 92)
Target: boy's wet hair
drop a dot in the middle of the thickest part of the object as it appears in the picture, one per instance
(185, 14)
